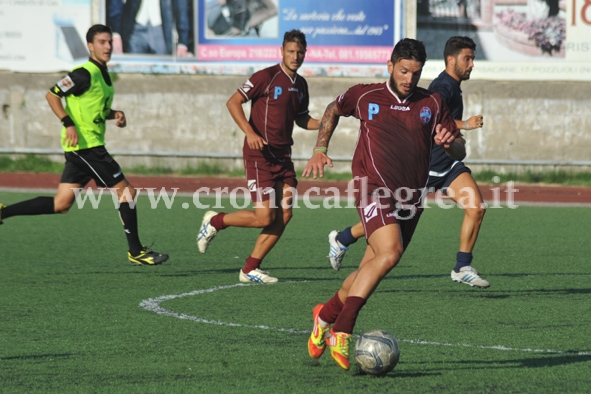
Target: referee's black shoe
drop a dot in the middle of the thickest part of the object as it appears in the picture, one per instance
(147, 257)
(2, 206)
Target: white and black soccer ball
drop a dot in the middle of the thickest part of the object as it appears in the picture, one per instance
(377, 352)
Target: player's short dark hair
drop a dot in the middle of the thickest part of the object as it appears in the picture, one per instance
(295, 36)
(97, 29)
(409, 48)
(455, 44)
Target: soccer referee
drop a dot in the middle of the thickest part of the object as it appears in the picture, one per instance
(88, 91)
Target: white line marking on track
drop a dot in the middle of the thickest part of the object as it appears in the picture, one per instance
(153, 305)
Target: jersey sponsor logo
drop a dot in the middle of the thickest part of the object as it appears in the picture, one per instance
(370, 212)
(400, 108)
(372, 109)
(65, 84)
(425, 115)
(277, 92)
(293, 89)
(252, 185)
(247, 86)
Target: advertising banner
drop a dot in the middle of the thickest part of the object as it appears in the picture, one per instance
(516, 39)
(43, 35)
(347, 31)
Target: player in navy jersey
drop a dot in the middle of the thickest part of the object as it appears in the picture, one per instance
(446, 173)
(279, 97)
(88, 92)
(399, 124)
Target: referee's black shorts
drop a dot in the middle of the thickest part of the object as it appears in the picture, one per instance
(93, 163)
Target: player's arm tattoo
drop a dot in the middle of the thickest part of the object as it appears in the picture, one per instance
(328, 124)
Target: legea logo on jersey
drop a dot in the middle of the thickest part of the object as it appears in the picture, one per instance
(372, 109)
(277, 92)
(370, 211)
(400, 108)
(425, 115)
(252, 185)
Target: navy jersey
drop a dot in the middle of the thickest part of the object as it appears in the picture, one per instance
(395, 136)
(449, 90)
(277, 100)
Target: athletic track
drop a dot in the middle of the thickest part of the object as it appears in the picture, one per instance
(526, 194)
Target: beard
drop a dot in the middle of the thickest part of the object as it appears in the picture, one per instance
(393, 86)
(463, 74)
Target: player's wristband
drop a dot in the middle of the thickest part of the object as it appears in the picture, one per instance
(465, 125)
(320, 149)
(67, 121)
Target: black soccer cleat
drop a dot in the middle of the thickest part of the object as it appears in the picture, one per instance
(147, 257)
(2, 206)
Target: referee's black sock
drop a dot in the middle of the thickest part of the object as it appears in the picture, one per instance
(35, 206)
(128, 216)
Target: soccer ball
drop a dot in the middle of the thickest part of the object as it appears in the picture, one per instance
(377, 352)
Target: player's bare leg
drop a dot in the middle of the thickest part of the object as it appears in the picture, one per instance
(272, 216)
(383, 253)
(283, 213)
(357, 230)
(465, 192)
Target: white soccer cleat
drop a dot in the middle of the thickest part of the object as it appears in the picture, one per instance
(469, 276)
(337, 252)
(256, 276)
(207, 232)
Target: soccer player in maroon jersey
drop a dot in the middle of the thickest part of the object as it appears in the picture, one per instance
(448, 174)
(279, 98)
(399, 123)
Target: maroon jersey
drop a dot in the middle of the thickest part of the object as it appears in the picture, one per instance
(395, 136)
(276, 101)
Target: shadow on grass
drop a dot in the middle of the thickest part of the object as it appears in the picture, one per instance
(554, 360)
(38, 356)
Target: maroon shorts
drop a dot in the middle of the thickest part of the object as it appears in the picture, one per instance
(263, 175)
(378, 210)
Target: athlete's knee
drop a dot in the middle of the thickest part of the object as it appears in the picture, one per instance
(62, 205)
(476, 213)
(127, 194)
(389, 258)
(264, 219)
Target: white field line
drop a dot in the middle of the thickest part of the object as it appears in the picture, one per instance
(153, 305)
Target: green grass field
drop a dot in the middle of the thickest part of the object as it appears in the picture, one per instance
(75, 317)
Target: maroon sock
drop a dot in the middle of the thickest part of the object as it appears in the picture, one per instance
(346, 320)
(331, 309)
(218, 221)
(251, 264)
